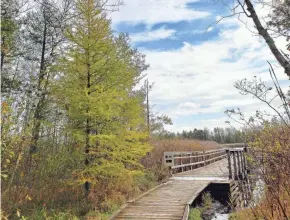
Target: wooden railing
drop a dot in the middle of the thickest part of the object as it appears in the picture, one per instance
(183, 161)
(233, 145)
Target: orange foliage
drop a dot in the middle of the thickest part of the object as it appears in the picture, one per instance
(271, 153)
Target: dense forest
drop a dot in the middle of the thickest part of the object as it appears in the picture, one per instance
(218, 134)
(78, 138)
(72, 122)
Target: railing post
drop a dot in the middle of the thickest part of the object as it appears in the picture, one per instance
(173, 164)
(239, 164)
(230, 164)
(181, 162)
(203, 156)
(243, 165)
(235, 165)
(200, 158)
(190, 161)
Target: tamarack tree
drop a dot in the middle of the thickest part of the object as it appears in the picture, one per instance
(94, 86)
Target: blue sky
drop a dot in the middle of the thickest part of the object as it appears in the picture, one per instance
(194, 70)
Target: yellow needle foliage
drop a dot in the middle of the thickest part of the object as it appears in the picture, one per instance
(94, 84)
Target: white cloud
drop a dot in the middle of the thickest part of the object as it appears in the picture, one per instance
(156, 11)
(203, 75)
(191, 108)
(189, 105)
(158, 34)
(202, 31)
(198, 78)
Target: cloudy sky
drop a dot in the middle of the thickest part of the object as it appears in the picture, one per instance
(194, 70)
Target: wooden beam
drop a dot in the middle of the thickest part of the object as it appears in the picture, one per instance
(186, 212)
(203, 156)
(235, 165)
(230, 164)
(243, 165)
(239, 164)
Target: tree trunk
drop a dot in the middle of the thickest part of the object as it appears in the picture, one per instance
(88, 125)
(269, 40)
(2, 52)
(38, 111)
(147, 106)
(87, 151)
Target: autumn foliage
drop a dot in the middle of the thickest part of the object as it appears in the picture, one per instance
(270, 155)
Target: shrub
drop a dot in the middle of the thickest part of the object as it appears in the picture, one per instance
(270, 154)
(194, 214)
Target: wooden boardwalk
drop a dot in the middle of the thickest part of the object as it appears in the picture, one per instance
(170, 200)
(191, 172)
(214, 172)
(166, 202)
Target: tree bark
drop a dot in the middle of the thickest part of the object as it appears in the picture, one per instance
(2, 52)
(88, 119)
(269, 40)
(38, 111)
(147, 106)
(88, 129)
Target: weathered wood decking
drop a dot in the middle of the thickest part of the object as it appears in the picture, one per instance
(214, 172)
(171, 200)
(167, 202)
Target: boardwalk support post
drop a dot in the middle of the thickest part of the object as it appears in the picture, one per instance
(230, 164)
(235, 166)
(239, 165)
(243, 165)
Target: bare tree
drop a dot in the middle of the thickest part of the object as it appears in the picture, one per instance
(260, 90)
(44, 37)
(246, 7)
(264, 33)
(155, 121)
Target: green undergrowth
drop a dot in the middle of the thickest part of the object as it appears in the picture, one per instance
(194, 214)
(78, 208)
(197, 212)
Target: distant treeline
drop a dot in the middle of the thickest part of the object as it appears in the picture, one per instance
(218, 134)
